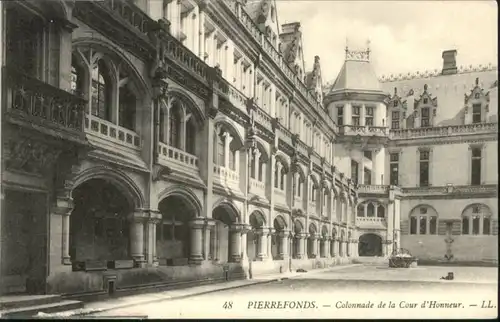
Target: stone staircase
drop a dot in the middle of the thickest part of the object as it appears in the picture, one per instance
(26, 306)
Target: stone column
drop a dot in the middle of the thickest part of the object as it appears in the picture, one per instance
(283, 252)
(236, 243)
(335, 246)
(262, 244)
(196, 253)
(154, 218)
(270, 234)
(327, 247)
(301, 243)
(137, 219)
(314, 242)
(201, 39)
(208, 240)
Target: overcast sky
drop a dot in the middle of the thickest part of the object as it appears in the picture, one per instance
(405, 36)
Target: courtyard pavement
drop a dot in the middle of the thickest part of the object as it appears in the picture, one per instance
(328, 293)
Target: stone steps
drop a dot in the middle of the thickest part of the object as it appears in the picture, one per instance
(26, 306)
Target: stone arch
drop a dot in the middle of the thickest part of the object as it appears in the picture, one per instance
(192, 106)
(230, 128)
(370, 244)
(114, 52)
(312, 228)
(324, 231)
(125, 184)
(415, 210)
(184, 193)
(230, 208)
(257, 219)
(281, 157)
(298, 227)
(477, 219)
(279, 223)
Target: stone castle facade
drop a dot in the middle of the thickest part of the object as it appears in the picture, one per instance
(159, 143)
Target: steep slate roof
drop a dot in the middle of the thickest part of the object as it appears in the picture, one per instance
(356, 75)
(449, 91)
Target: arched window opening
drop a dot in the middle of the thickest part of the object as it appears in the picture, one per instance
(380, 211)
(191, 136)
(101, 91)
(276, 177)
(175, 127)
(476, 220)
(370, 210)
(77, 79)
(361, 210)
(283, 179)
(126, 108)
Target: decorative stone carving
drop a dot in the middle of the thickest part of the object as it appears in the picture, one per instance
(28, 155)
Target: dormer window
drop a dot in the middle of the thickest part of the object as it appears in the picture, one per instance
(476, 113)
(426, 100)
(395, 103)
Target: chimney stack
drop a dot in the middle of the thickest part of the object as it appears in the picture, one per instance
(449, 62)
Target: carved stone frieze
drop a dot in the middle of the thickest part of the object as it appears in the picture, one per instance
(28, 155)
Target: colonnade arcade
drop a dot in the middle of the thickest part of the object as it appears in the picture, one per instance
(107, 223)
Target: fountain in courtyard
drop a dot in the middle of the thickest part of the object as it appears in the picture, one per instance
(402, 258)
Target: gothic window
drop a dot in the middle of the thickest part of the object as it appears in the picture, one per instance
(367, 177)
(354, 171)
(394, 168)
(175, 125)
(424, 168)
(191, 136)
(126, 108)
(476, 166)
(282, 179)
(476, 113)
(425, 121)
(221, 151)
(77, 84)
(380, 211)
(101, 91)
(370, 210)
(369, 116)
(314, 191)
(340, 115)
(276, 177)
(299, 186)
(394, 124)
(361, 210)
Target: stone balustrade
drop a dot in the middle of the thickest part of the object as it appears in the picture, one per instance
(111, 132)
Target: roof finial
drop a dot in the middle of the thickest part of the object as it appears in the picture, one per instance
(368, 48)
(346, 47)
(425, 88)
(395, 91)
(477, 81)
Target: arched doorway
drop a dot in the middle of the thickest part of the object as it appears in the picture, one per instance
(311, 247)
(256, 241)
(173, 234)
(225, 216)
(277, 248)
(99, 227)
(370, 245)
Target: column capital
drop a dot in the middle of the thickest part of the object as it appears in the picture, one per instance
(240, 227)
(139, 215)
(197, 223)
(63, 206)
(284, 233)
(271, 231)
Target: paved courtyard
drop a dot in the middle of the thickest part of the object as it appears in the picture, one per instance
(353, 292)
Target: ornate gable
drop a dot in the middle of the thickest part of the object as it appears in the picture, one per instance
(313, 80)
(426, 99)
(477, 93)
(291, 47)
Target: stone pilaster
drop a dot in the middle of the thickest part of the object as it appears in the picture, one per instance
(237, 231)
(153, 220)
(270, 234)
(64, 207)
